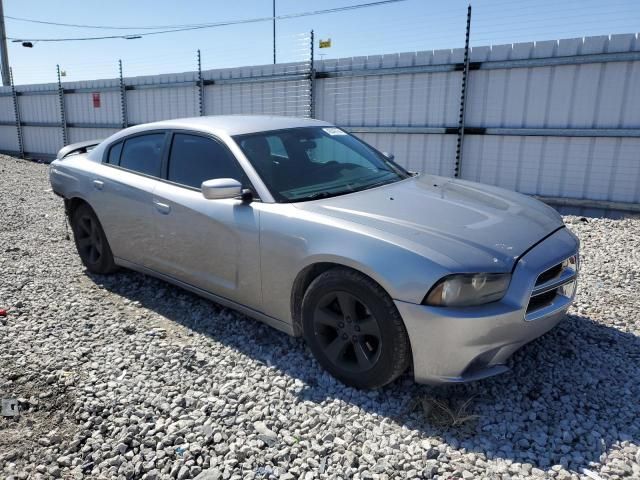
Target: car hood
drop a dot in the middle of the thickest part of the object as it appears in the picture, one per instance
(470, 225)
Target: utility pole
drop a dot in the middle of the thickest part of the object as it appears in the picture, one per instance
(4, 58)
(274, 31)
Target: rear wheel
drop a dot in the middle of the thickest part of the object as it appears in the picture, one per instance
(91, 242)
(354, 330)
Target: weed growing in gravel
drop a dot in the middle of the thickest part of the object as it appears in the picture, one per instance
(445, 413)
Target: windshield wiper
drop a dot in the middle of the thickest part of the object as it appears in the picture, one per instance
(377, 184)
(320, 195)
(329, 194)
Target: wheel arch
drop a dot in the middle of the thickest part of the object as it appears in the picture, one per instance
(71, 204)
(307, 275)
(401, 360)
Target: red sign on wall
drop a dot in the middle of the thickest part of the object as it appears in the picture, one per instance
(96, 99)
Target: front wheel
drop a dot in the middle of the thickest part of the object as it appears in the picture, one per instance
(354, 329)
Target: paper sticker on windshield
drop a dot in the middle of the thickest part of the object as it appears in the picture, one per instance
(334, 131)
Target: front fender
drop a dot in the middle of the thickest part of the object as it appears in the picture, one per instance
(292, 240)
(403, 274)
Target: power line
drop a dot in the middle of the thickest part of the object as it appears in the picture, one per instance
(179, 28)
(105, 27)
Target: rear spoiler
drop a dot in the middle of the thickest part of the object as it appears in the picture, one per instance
(77, 148)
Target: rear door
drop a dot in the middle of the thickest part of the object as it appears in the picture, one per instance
(210, 244)
(123, 193)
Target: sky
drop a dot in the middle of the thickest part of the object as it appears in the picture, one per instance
(407, 26)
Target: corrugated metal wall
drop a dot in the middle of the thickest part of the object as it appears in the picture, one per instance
(556, 118)
(586, 114)
(284, 91)
(163, 99)
(603, 95)
(8, 134)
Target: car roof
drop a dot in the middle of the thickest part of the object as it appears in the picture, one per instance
(236, 124)
(219, 125)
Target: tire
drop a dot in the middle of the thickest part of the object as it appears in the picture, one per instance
(91, 242)
(354, 329)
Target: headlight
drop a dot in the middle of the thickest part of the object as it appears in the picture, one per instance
(468, 289)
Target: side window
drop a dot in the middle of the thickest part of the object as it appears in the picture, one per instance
(143, 154)
(114, 154)
(194, 159)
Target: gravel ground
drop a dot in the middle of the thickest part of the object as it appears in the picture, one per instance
(129, 377)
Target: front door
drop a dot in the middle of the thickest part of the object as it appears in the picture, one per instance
(210, 244)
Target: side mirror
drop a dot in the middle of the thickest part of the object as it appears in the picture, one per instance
(390, 156)
(219, 188)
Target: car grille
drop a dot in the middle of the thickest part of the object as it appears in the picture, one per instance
(541, 300)
(550, 274)
(559, 280)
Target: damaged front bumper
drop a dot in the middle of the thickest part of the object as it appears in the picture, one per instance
(472, 343)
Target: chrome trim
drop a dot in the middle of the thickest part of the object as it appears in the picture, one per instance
(567, 275)
(567, 279)
(558, 303)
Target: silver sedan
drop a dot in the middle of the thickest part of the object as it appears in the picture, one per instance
(312, 231)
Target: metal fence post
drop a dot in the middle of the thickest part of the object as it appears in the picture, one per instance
(63, 116)
(123, 99)
(16, 113)
(312, 79)
(200, 86)
(463, 97)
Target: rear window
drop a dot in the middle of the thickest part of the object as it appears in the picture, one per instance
(114, 154)
(143, 154)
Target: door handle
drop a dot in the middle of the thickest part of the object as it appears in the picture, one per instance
(162, 207)
(98, 184)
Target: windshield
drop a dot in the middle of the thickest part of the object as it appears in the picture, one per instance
(308, 163)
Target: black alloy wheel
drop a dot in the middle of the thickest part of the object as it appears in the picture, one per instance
(354, 330)
(88, 239)
(347, 331)
(91, 241)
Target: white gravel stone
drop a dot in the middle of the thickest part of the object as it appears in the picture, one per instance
(126, 376)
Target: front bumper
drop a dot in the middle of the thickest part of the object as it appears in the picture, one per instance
(471, 343)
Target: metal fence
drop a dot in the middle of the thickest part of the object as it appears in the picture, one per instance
(37, 120)
(557, 118)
